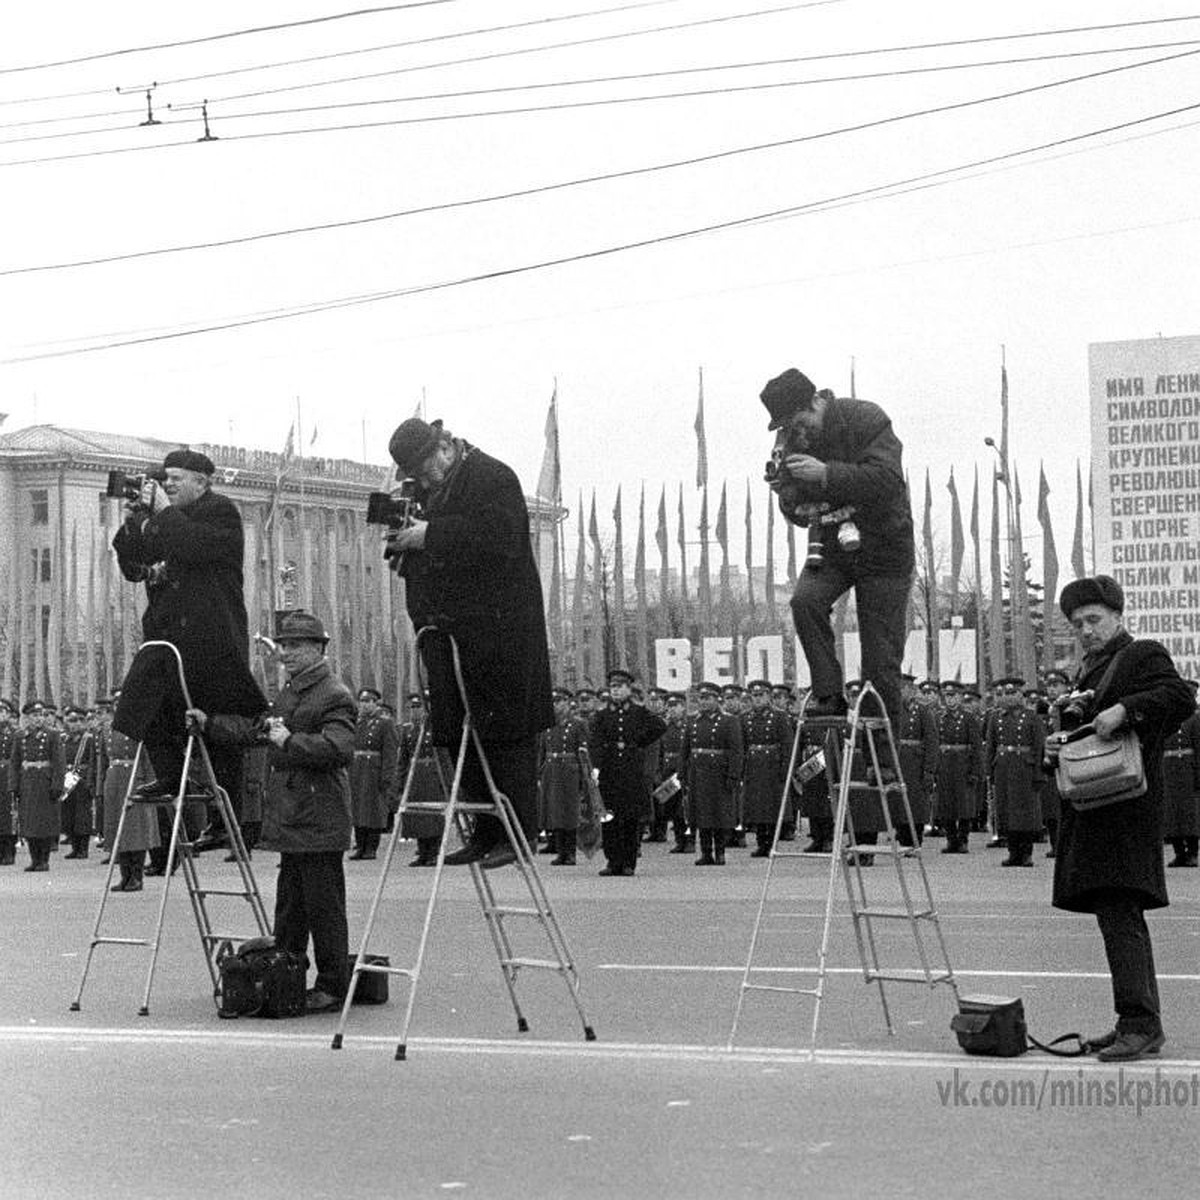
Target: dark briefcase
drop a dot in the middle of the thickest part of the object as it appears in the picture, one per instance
(262, 980)
(990, 1025)
(372, 986)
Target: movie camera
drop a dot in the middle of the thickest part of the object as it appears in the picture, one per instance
(395, 510)
(124, 486)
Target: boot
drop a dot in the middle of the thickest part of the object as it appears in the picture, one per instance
(8, 851)
(1192, 846)
(158, 861)
(360, 841)
(564, 841)
(135, 872)
(706, 849)
(787, 831)
(735, 839)
(1177, 844)
(719, 847)
(81, 846)
(763, 836)
(122, 884)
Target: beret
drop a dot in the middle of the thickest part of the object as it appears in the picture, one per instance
(1096, 589)
(189, 460)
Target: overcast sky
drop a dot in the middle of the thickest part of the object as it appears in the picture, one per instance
(1041, 253)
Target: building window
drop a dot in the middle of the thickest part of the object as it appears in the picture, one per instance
(105, 510)
(40, 500)
(46, 622)
(45, 572)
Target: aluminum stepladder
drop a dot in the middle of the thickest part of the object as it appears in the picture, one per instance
(455, 810)
(861, 739)
(214, 944)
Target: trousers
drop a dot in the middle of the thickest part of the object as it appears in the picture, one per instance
(1130, 961)
(310, 901)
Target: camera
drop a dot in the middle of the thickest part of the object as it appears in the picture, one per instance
(1074, 706)
(396, 510)
(123, 486)
(840, 522)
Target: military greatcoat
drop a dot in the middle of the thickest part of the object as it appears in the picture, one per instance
(560, 775)
(617, 743)
(1014, 756)
(38, 765)
(959, 756)
(767, 745)
(8, 819)
(417, 755)
(117, 753)
(917, 747)
(1181, 781)
(373, 771)
(712, 763)
(80, 753)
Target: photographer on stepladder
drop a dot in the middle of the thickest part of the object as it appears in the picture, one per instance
(467, 561)
(307, 810)
(184, 542)
(836, 468)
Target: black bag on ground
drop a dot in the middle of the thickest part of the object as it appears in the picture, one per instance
(262, 980)
(372, 986)
(995, 1025)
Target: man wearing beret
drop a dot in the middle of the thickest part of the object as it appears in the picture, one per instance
(1110, 859)
(184, 542)
(469, 569)
(832, 457)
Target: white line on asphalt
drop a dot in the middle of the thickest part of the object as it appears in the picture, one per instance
(700, 969)
(618, 1051)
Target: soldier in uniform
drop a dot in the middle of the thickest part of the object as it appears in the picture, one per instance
(767, 743)
(417, 754)
(711, 756)
(560, 778)
(674, 809)
(117, 752)
(8, 815)
(1181, 790)
(781, 701)
(80, 750)
(917, 747)
(38, 766)
(617, 743)
(959, 752)
(1057, 686)
(372, 773)
(656, 827)
(733, 702)
(1014, 755)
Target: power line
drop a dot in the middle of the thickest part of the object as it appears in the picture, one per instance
(399, 121)
(219, 37)
(320, 306)
(604, 177)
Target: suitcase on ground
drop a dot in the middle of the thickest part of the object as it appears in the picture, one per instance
(372, 987)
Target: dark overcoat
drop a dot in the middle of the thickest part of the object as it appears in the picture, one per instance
(417, 756)
(617, 743)
(1121, 845)
(8, 819)
(560, 774)
(918, 751)
(76, 815)
(711, 756)
(767, 745)
(37, 768)
(1014, 764)
(373, 771)
(195, 601)
(117, 755)
(307, 805)
(1181, 781)
(477, 580)
(959, 753)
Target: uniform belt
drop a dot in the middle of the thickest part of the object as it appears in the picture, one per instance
(764, 745)
(120, 762)
(560, 754)
(707, 750)
(1175, 753)
(912, 742)
(36, 762)
(367, 754)
(1014, 749)
(955, 746)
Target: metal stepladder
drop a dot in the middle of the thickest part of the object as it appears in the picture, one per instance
(455, 810)
(861, 738)
(216, 945)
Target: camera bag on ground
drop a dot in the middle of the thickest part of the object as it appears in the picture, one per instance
(372, 986)
(261, 980)
(995, 1026)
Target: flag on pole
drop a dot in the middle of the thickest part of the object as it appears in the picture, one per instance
(853, 388)
(980, 673)
(660, 536)
(769, 581)
(703, 582)
(1049, 570)
(749, 550)
(285, 461)
(577, 639)
(1023, 650)
(1003, 416)
(725, 604)
(932, 617)
(642, 624)
(996, 658)
(596, 664)
(1077, 563)
(621, 657)
(956, 541)
(549, 485)
(701, 443)
(683, 571)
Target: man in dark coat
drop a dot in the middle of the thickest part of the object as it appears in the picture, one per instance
(373, 772)
(767, 743)
(1013, 756)
(617, 744)
(8, 813)
(184, 542)
(307, 813)
(838, 471)
(711, 765)
(36, 771)
(1110, 859)
(561, 779)
(469, 569)
(959, 752)
(1181, 790)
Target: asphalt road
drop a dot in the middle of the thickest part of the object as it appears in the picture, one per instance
(178, 1104)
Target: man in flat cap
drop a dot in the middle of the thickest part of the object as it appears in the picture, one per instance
(837, 470)
(1110, 859)
(184, 542)
(470, 574)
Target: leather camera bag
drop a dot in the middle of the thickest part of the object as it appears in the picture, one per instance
(1094, 772)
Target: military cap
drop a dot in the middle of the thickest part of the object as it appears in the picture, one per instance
(781, 689)
(972, 694)
(49, 706)
(189, 460)
(930, 685)
(560, 693)
(951, 685)
(32, 706)
(619, 675)
(365, 693)
(104, 702)
(787, 394)
(1055, 676)
(759, 685)
(1096, 589)
(907, 678)
(74, 710)
(852, 683)
(415, 696)
(676, 698)
(708, 688)
(732, 689)
(584, 692)
(1009, 681)
(300, 626)
(9, 706)
(661, 693)
(413, 442)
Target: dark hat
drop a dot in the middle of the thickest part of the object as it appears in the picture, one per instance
(930, 685)
(758, 685)
(1097, 589)
(732, 689)
(951, 685)
(972, 694)
(856, 683)
(661, 693)
(301, 626)
(413, 442)
(1055, 675)
(560, 693)
(676, 697)
(708, 689)
(907, 678)
(1009, 681)
(415, 696)
(1032, 691)
(73, 710)
(364, 692)
(33, 706)
(583, 692)
(9, 706)
(619, 675)
(189, 460)
(787, 394)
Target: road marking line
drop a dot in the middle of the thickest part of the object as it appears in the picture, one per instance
(693, 969)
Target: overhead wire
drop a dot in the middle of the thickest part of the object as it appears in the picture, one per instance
(603, 177)
(400, 121)
(320, 306)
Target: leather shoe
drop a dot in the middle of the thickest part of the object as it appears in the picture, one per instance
(607, 871)
(497, 857)
(317, 1001)
(705, 860)
(154, 792)
(1126, 1046)
(464, 855)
